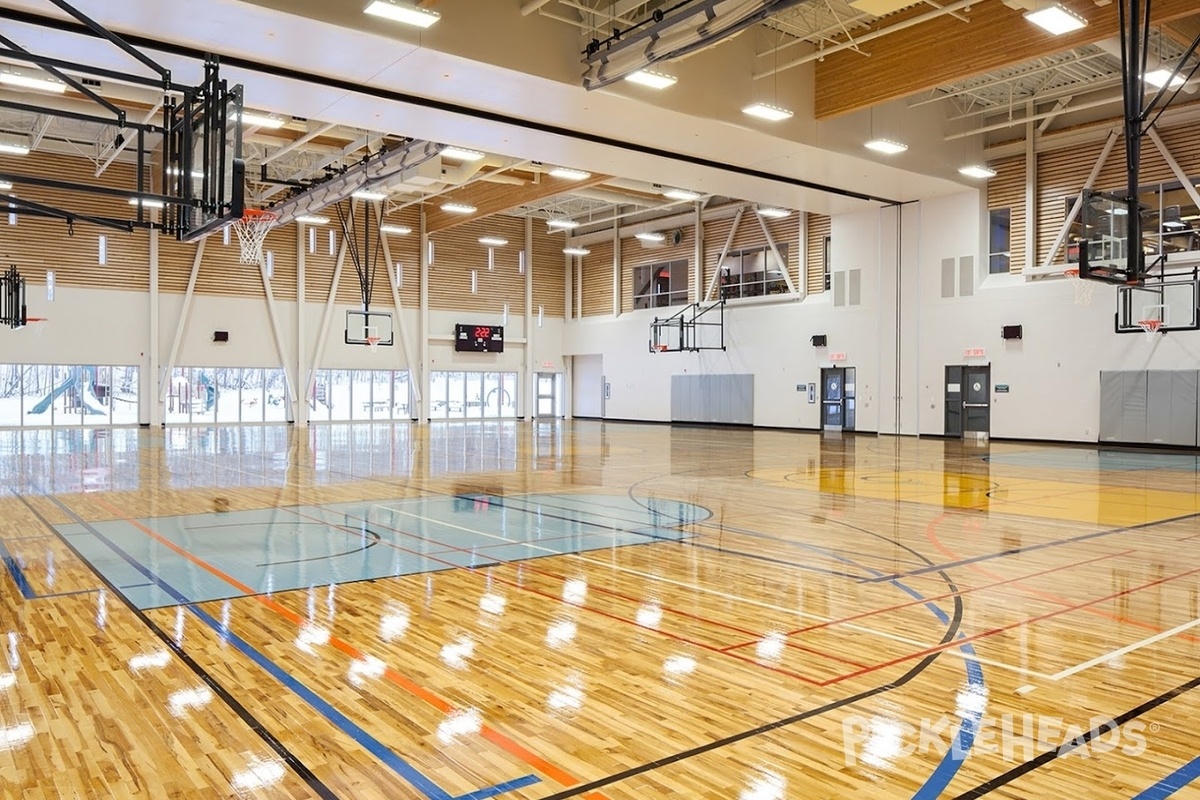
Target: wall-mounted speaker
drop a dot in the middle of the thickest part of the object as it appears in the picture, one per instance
(1010, 332)
(220, 336)
(819, 340)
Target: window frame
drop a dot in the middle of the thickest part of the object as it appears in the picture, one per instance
(653, 296)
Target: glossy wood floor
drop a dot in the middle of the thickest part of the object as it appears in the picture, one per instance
(858, 617)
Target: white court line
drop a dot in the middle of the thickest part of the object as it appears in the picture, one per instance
(733, 597)
(1129, 648)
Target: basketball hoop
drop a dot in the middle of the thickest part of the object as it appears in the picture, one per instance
(1150, 327)
(373, 342)
(1083, 288)
(372, 338)
(252, 231)
(36, 324)
(658, 348)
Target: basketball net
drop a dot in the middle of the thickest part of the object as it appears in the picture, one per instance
(373, 338)
(1150, 327)
(1083, 289)
(251, 232)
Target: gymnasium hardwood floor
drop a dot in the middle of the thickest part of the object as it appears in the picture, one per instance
(469, 610)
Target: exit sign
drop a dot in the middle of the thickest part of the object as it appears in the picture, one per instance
(837, 356)
(974, 352)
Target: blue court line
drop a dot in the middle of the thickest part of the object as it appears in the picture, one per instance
(500, 788)
(368, 742)
(1173, 782)
(18, 575)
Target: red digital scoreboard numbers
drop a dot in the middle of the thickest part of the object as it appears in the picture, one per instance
(479, 338)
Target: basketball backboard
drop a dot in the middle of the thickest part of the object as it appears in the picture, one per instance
(203, 158)
(1172, 304)
(361, 325)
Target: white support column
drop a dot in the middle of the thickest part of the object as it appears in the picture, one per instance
(698, 253)
(787, 277)
(530, 334)
(616, 269)
(154, 414)
(1188, 185)
(1031, 227)
(423, 373)
(712, 283)
(165, 374)
(326, 319)
(277, 332)
(406, 347)
(1074, 214)
(302, 367)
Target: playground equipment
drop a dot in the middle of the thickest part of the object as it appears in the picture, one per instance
(185, 394)
(80, 391)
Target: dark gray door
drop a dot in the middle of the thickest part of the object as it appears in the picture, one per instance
(954, 400)
(835, 394)
(977, 394)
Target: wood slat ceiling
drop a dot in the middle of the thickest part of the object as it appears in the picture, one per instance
(495, 198)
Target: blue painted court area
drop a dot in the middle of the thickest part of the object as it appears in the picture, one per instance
(277, 549)
(1101, 460)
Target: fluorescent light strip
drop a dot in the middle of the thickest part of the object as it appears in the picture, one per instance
(461, 154)
(261, 120)
(886, 146)
(976, 171)
(5, 186)
(145, 202)
(680, 194)
(1158, 78)
(312, 219)
(493, 241)
(1056, 19)
(13, 149)
(562, 224)
(195, 173)
(569, 174)
(399, 230)
(768, 112)
(655, 80)
(576, 251)
(363, 194)
(402, 12)
(774, 213)
(458, 208)
(650, 236)
(31, 82)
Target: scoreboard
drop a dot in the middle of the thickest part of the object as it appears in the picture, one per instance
(479, 338)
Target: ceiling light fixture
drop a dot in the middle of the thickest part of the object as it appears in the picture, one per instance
(261, 120)
(576, 251)
(402, 12)
(655, 80)
(458, 208)
(145, 202)
(5, 186)
(774, 212)
(1056, 19)
(680, 194)
(399, 230)
(569, 174)
(1158, 78)
(977, 171)
(461, 154)
(31, 82)
(562, 224)
(886, 146)
(767, 111)
(197, 174)
(363, 194)
(14, 145)
(493, 241)
(312, 219)
(650, 236)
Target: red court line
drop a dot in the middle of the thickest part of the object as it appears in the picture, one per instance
(491, 734)
(559, 600)
(936, 598)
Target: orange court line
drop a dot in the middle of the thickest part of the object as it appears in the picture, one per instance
(492, 735)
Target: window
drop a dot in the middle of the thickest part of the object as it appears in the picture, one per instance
(664, 284)
(226, 394)
(999, 236)
(826, 255)
(753, 273)
(359, 395)
(472, 395)
(44, 394)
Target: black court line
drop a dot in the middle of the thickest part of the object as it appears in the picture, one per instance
(1050, 755)
(431, 103)
(298, 766)
(364, 548)
(1031, 548)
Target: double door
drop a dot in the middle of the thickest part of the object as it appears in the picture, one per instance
(968, 399)
(837, 399)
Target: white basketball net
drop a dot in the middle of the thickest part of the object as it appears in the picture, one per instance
(373, 338)
(251, 232)
(1083, 289)
(1150, 327)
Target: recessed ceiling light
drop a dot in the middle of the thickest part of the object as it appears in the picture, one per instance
(650, 236)
(767, 112)
(461, 154)
(312, 219)
(886, 146)
(493, 241)
(562, 224)
(197, 174)
(576, 251)
(5, 186)
(363, 194)
(680, 194)
(976, 171)
(1159, 77)
(261, 120)
(399, 230)
(402, 12)
(774, 212)
(458, 208)
(655, 80)
(145, 202)
(14, 145)
(1119, 211)
(1056, 19)
(32, 82)
(569, 174)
